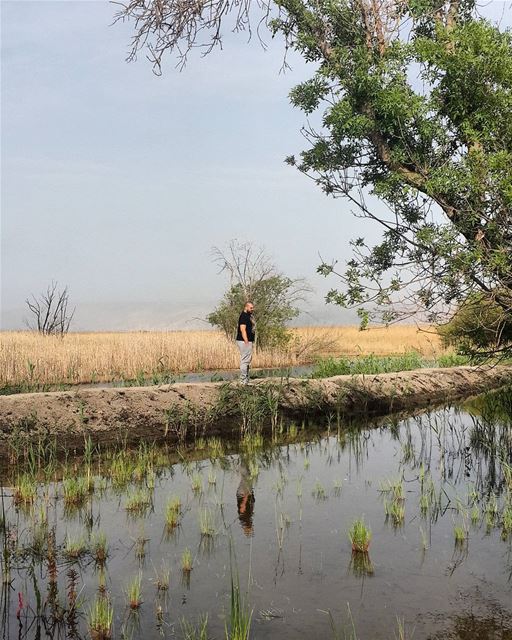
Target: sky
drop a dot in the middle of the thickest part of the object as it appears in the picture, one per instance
(118, 183)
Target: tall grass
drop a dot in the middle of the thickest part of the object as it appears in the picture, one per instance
(28, 360)
(370, 364)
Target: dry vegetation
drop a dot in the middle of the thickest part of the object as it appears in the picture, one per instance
(29, 358)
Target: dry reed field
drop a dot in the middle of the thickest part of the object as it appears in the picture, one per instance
(31, 359)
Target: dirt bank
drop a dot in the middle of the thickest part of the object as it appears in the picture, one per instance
(179, 410)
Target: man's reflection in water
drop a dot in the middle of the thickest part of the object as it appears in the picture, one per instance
(245, 499)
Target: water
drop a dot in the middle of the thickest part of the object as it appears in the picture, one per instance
(281, 516)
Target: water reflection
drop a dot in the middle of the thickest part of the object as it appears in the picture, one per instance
(245, 498)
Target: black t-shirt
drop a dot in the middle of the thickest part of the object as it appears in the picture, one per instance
(245, 318)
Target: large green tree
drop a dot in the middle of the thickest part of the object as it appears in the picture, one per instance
(414, 130)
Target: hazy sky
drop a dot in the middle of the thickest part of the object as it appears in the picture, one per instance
(117, 182)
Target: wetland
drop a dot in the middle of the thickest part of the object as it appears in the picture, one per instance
(252, 536)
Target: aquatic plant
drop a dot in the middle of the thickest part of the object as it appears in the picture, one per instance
(361, 565)
(254, 469)
(173, 512)
(424, 540)
(343, 633)
(186, 561)
(197, 483)
(506, 522)
(491, 511)
(240, 615)
(251, 442)
(395, 487)
(100, 618)
(212, 477)
(401, 629)
(216, 448)
(75, 546)
(460, 534)
(25, 490)
(138, 501)
(360, 536)
(197, 631)
(207, 523)
(134, 592)
(99, 547)
(163, 577)
(397, 512)
(319, 491)
(370, 364)
(140, 547)
(75, 490)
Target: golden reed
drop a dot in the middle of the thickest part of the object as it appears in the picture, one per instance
(27, 357)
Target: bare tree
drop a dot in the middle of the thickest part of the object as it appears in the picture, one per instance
(50, 311)
(180, 25)
(253, 276)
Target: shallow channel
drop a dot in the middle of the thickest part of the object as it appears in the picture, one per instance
(277, 515)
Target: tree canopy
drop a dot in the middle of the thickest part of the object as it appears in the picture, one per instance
(414, 107)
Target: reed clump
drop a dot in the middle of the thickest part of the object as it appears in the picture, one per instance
(360, 536)
(101, 615)
(186, 561)
(172, 512)
(134, 592)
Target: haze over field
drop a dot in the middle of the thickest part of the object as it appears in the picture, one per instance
(118, 183)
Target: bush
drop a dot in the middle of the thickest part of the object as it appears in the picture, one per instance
(479, 324)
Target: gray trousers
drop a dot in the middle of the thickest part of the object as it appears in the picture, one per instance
(245, 360)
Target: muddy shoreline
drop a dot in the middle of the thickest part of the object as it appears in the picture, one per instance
(177, 411)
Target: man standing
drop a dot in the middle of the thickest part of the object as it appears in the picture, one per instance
(245, 340)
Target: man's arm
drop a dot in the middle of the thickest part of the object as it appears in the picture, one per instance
(243, 331)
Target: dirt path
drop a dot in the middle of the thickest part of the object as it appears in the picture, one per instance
(208, 408)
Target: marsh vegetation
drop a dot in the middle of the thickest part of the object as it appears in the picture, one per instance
(29, 361)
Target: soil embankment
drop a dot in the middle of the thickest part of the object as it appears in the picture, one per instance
(173, 411)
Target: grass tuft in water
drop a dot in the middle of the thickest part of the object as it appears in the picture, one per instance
(99, 547)
(134, 592)
(75, 547)
(240, 615)
(319, 492)
(138, 501)
(197, 631)
(100, 618)
(75, 490)
(172, 513)
(25, 490)
(360, 536)
(460, 534)
(163, 578)
(197, 483)
(186, 561)
(207, 523)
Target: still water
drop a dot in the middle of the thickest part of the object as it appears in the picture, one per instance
(277, 516)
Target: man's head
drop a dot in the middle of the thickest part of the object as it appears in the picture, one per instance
(249, 307)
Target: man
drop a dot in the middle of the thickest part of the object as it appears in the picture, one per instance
(245, 498)
(245, 340)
